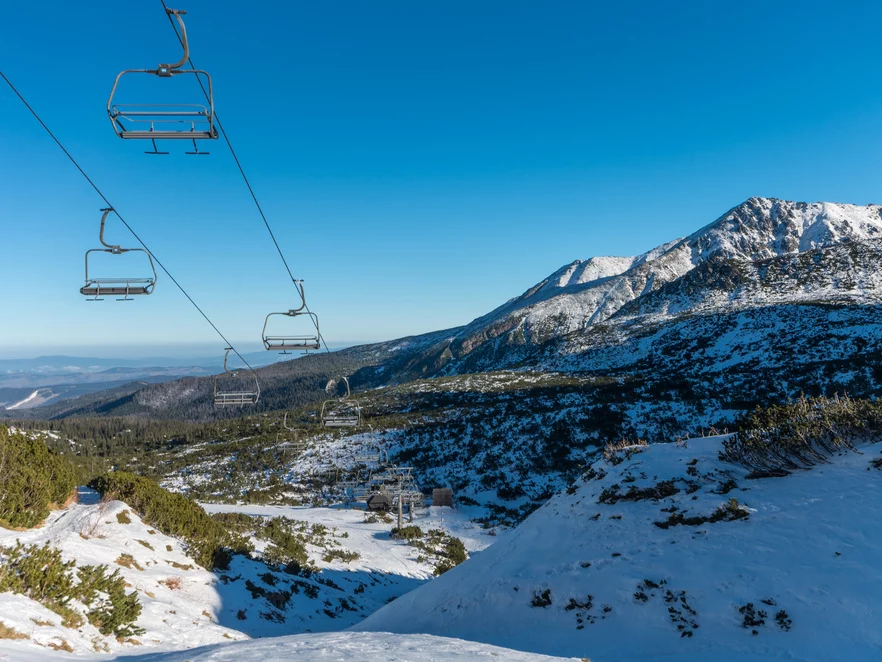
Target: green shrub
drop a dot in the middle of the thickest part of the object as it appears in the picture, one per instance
(411, 532)
(343, 555)
(208, 541)
(286, 546)
(38, 572)
(777, 439)
(42, 575)
(236, 522)
(32, 479)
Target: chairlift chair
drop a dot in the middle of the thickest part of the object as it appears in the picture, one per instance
(293, 343)
(234, 398)
(297, 443)
(165, 121)
(124, 287)
(342, 412)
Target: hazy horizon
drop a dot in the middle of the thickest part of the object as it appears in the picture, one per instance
(158, 350)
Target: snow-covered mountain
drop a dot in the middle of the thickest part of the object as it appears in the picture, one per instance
(669, 549)
(587, 293)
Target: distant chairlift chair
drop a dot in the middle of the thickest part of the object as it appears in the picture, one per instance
(298, 443)
(341, 412)
(165, 121)
(293, 343)
(118, 287)
(228, 397)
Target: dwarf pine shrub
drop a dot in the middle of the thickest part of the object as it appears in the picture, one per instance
(286, 546)
(32, 478)
(778, 439)
(41, 574)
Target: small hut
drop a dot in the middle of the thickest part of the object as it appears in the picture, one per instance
(442, 496)
(379, 501)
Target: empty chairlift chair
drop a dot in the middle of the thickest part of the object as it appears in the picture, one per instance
(293, 342)
(230, 390)
(126, 288)
(341, 412)
(162, 121)
(296, 440)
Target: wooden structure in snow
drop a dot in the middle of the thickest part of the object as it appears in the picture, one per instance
(442, 496)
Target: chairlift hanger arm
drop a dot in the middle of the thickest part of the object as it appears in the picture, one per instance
(177, 13)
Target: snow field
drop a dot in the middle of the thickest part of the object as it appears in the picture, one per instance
(810, 548)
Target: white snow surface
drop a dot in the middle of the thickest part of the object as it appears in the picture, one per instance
(351, 647)
(811, 545)
(22, 403)
(173, 619)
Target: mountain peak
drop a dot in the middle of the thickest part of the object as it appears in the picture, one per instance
(761, 228)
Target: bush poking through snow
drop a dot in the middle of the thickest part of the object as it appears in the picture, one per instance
(664, 489)
(40, 574)
(728, 512)
(128, 561)
(619, 451)
(783, 620)
(343, 555)
(542, 599)
(437, 545)
(286, 546)
(781, 438)
(411, 532)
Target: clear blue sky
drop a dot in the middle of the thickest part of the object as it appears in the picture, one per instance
(421, 162)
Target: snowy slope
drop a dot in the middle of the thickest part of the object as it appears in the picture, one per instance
(348, 646)
(810, 547)
(90, 533)
(331, 647)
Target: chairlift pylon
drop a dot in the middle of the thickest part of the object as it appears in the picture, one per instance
(125, 287)
(293, 343)
(341, 412)
(165, 121)
(231, 397)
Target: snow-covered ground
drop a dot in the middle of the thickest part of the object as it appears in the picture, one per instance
(178, 619)
(377, 550)
(350, 647)
(218, 607)
(90, 533)
(601, 580)
(329, 647)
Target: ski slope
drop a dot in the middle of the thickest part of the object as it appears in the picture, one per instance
(810, 547)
